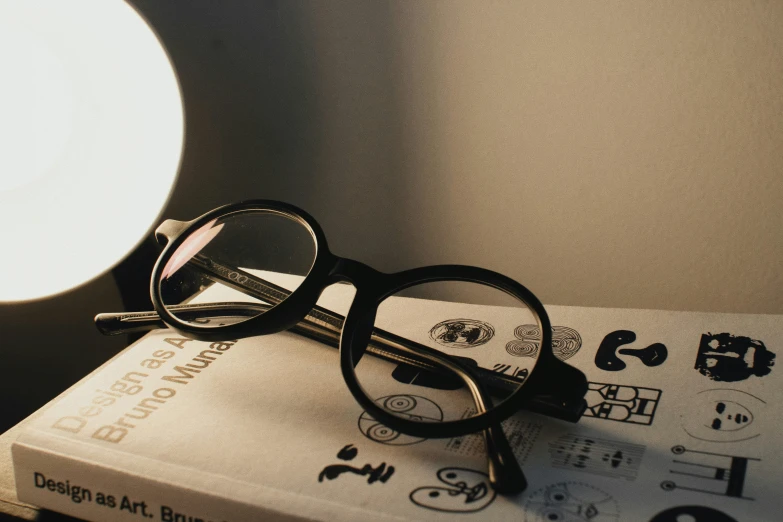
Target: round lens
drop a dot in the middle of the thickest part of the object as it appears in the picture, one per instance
(236, 267)
(471, 323)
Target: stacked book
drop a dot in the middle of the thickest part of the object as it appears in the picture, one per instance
(681, 420)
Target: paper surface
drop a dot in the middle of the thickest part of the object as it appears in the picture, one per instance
(263, 418)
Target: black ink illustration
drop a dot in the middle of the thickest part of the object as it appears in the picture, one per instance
(606, 356)
(462, 333)
(706, 472)
(723, 415)
(507, 369)
(521, 435)
(379, 473)
(463, 491)
(528, 338)
(609, 458)
(565, 341)
(617, 402)
(347, 453)
(731, 358)
(693, 514)
(571, 502)
(414, 407)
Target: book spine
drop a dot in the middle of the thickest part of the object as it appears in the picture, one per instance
(94, 492)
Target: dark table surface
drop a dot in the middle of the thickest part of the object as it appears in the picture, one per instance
(49, 345)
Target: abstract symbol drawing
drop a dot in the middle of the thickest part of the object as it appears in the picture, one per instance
(723, 415)
(506, 369)
(462, 333)
(731, 358)
(606, 356)
(462, 491)
(609, 458)
(707, 472)
(379, 473)
(617, 402)
(570, 502)
(565, 341)
(693, 514)
(412, 407)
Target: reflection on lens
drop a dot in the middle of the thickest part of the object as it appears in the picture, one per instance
(469, 322)
(236, 267)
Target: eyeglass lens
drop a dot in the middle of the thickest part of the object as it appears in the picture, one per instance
(221, 257)
(469, 322)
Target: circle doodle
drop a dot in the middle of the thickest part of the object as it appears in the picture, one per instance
(462, 333)
(571, 502)
(412, 407)
(381, 433)
(527, 331)
(565, 341)
(400, 403)
(522, 348)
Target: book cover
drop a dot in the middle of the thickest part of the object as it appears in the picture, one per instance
(682, 420)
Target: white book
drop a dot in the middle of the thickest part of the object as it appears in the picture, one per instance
(265, 428)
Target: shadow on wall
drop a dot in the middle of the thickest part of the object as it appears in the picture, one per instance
(292, 101)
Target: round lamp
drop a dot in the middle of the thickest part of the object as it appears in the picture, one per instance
(91, 137)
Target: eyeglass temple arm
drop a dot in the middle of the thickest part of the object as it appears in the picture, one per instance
(325, 326)
(565, 400)
(395, 349)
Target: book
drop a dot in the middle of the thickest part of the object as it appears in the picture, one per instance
(681, 420)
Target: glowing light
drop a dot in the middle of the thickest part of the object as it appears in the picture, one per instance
(90, 140)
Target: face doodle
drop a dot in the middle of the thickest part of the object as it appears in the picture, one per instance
(723, 415)
(730, 416)
(731, 358)
(461, 491)
(412, 407)
(621, 403)
(571, 502)
(462, 333)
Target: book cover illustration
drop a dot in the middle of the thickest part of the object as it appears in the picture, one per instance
(265, 426)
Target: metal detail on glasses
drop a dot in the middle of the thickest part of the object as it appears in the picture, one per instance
(260, 267)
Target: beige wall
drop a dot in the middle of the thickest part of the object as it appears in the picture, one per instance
(622, 154)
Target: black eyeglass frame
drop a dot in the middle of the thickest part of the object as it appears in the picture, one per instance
(550, 376)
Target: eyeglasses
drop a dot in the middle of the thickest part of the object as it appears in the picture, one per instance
(262, 267)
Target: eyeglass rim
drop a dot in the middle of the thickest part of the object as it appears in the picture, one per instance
(363, 310)
(286, 314)
(278, 318)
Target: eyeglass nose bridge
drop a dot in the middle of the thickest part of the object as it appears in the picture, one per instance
(365, 278)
